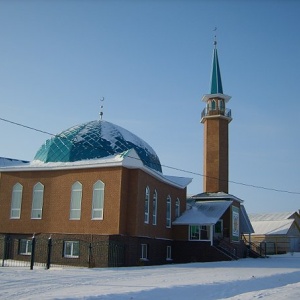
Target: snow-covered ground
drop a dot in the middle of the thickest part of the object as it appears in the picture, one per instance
(276, 277)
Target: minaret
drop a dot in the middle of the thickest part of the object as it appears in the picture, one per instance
(215, 118)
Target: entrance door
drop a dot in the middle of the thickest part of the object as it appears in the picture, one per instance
(218, 229)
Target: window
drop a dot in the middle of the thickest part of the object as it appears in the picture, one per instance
(144, 251)
(147, 195)
(16, 201)
(37, 201)
(76, 195)
(169, 252)
(219, 226)
(168, 217)
(98, 200)
(177, 208)
(25, 247)
(199, 233)
(154, 208)
(71, 249)
(213, 104)
(221, 104)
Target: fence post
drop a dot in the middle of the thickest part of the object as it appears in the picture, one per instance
(32, 252)
(90, 255)
(5, 245)
(49, 253)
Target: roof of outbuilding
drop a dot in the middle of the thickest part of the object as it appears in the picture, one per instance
(272, 227)
(270, 216)
(272, 223)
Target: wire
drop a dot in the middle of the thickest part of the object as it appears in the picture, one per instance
(28, 127)
(173, 168)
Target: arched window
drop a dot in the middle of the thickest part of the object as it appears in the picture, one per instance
(221, 104)
(147, 196)
(16, 201)
(168, 216)
(177, 208)
(98, 200)
(213, 104)
(76, 195)
(37, 201)
(154, 208)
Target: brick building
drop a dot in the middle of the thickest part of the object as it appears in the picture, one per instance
(97, 192)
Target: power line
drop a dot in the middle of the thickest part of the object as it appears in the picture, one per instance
(234, 182)
(172, 168)
(28, 127)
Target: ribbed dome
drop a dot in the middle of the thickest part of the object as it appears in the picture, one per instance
(95, 139)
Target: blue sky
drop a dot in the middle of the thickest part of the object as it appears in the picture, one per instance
(151, 60)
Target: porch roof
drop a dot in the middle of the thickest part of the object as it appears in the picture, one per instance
(203, 213)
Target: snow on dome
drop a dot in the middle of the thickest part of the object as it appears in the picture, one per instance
(95, 139)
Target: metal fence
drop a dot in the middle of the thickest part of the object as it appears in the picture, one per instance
(275, 244)
(50, 252)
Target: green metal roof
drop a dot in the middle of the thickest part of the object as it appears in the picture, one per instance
(95, 139)
(216, 82)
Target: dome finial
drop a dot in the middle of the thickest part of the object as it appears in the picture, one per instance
(215, 41)
(101, 108)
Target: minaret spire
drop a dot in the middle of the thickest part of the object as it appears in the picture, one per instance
(216, 81)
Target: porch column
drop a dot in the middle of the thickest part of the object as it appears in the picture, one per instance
(211, 228)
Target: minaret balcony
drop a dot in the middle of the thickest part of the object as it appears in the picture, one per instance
(216, 112)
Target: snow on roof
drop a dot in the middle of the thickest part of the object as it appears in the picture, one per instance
(129, 159)
(270, 216)
(182, 181)
(218, 195)
(203, 213)
(6, 162)
(272, 227)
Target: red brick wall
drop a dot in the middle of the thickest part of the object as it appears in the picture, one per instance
(123, 205)
(215, 155)
(57, 196)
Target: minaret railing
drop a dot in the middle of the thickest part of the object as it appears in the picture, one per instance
(216, 112)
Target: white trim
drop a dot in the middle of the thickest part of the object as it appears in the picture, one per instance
(206, 97)
(129, 160)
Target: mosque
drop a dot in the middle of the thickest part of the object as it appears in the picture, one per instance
(96, 192)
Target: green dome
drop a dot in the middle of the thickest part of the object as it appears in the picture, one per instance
(95, 139)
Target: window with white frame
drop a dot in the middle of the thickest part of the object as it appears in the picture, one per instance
(169, 252)
(71, 249)
(37, 201)
(199, 233)
(177, 208)
(16, 201)
(154, 208)
(144, 251)
(221, 104)
(147, 196)
(213, 104)
(25, 247)
(98, 200)
(168, 212)
(76, 196)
